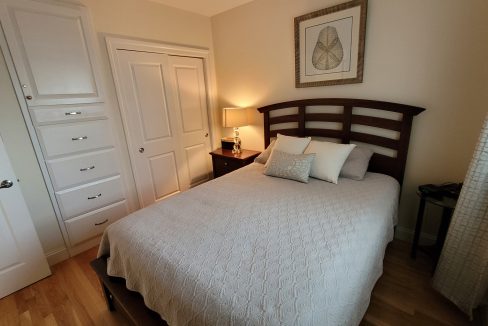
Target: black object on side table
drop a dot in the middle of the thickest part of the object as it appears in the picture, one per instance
(224, 161)
(444, 196)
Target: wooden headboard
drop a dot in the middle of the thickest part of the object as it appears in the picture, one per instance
(381, 163)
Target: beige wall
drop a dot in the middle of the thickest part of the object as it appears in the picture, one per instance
(133, 18)
(426, 53)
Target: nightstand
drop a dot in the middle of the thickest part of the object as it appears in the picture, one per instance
(447, 204)
(224, 161)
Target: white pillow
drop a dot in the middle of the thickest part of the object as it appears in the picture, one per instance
(291, 145)
(264, 156)
(329, 159)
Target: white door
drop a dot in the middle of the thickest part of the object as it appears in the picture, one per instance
(22, 261)
(42, 36)
(189, 99)
(165, 158)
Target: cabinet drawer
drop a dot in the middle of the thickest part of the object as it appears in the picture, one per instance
(82, 199)
(75, 137)
(90, 225)
(67, 113)
(73, 170)
(223, 166)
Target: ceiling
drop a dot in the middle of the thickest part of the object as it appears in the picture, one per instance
(204, 7)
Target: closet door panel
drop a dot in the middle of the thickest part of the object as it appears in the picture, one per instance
(189, 98)
(50, 51)
(151, 126)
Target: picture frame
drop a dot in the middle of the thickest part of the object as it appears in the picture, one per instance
(329, 45)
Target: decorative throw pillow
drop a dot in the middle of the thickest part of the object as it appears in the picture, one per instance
(357, 163)
(291, 145)
(264, 156)
(329, 159)
(289, 166)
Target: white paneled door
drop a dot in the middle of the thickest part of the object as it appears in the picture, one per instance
(189, 99)
(22, 261)
(165, 114)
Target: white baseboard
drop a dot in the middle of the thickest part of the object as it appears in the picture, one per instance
(84, 246)
(57, 255)
(406, 234)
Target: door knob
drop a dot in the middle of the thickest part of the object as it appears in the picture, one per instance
(141, 150)
(6, 184)
(28, 97)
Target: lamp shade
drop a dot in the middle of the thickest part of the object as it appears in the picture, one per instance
(234, 117)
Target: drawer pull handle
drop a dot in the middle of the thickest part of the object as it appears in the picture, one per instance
(72, 113)
(97, 224)
(88, 168)
(79, 138)
(95, 197)
(225, 163)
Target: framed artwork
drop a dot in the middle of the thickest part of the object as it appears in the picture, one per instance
(329, 45)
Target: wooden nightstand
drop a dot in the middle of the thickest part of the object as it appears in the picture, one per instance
(224, 161)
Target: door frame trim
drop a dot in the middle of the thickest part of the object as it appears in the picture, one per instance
(115, 43)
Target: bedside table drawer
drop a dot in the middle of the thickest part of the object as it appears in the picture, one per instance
(224, 161)
(223, 166)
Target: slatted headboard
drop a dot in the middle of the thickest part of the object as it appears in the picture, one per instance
(391, 165)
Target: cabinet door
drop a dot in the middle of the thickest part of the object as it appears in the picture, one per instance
(52, 48)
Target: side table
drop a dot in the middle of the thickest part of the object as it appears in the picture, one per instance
(448, 204)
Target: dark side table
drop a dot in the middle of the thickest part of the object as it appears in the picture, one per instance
(224, 161)
(448, 204)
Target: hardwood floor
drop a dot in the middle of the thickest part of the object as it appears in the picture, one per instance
(404, 296)
(72, 296)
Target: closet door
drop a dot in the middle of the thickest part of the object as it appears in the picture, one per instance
(163, 101)
(49, 47)
(151, 126)
(189, 100)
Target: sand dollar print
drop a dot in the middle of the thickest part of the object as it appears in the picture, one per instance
(328, 52)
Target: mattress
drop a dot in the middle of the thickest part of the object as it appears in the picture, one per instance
(249, 249)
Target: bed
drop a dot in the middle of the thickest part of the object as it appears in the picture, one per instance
(249, 249)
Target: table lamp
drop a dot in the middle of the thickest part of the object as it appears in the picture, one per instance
(235, 118)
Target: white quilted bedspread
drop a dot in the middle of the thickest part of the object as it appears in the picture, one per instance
(248, 249)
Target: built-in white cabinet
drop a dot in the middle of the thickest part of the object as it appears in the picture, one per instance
(52, 46)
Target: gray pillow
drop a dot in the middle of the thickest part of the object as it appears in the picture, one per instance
(357, 163)
(289, 166)
(264, 156)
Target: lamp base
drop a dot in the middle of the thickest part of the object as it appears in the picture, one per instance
(237, 142)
